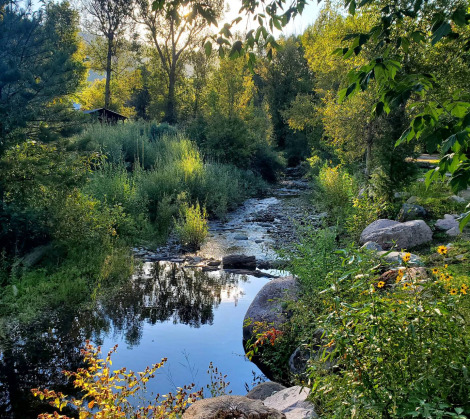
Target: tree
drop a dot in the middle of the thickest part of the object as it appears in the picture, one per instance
(175, 28)
(108, 19)
(40, 67)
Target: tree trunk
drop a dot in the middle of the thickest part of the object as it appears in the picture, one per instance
(170, 114)
(107, 90)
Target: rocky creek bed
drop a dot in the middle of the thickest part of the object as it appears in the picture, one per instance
(187, 307)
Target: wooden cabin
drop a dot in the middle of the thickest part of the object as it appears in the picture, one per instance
(106, 115)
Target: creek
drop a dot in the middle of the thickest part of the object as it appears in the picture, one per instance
(174, 307)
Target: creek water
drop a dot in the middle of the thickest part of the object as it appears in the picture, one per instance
(166, 309)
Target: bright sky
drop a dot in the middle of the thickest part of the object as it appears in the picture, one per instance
(295, 27)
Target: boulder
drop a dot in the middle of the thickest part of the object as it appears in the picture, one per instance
(239, 262)
(264, 390)
(457, 199)
(453, 232)
(231, 407)
(388, 233)
(292, 402)
(267, 306)
(396, 258)
(447, 223)
(240, 237)
(410, 212)
(372, 246)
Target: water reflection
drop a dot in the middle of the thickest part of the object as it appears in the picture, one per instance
(34, 355)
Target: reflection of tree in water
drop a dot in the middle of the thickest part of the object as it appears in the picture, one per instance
(164, 292)
(34, 355)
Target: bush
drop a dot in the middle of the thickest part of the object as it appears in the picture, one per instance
(335, 190)
(191, 228)
(400, 344)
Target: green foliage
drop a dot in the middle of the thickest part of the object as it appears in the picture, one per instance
(191, 227)
(35, 87)
(335, 190)
(381, 334)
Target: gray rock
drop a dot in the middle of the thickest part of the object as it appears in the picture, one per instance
(267, 306)
(453, 232)
(459, 257)
(239, 262)
(447, 223)
(412, 200)
(395, 258)
(240, 237)
(388, 233)
(228, 407)
(401, 195)
(213, 263)
(264, 390)
(292, 402)
(35, 256)
(410, 212)
(465, 194)
(298, 361)
(372, 246)
(457, 199)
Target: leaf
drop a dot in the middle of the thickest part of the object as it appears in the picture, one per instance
(352, 7)
(91, 404)
(430, 176)
(208, 48)
(443, 30)
(236, 50)
(459, 16)
(418, 36)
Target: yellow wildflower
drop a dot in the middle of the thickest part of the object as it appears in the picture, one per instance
(381, 284)
(435, 271)
(463, 291)
(453, 291)
(442, 250)
(406, 285)
(406, 258)
(465, 286)
(446, 266)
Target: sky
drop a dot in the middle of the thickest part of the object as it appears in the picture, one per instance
(295, 27)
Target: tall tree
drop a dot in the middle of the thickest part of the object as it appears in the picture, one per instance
(174, 31)
(109, 19)
(40, 66)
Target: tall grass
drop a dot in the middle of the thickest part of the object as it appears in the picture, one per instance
(153, 177)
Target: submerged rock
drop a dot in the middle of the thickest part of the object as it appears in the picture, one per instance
(230, 407)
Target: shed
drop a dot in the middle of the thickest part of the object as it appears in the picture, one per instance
(106, 115)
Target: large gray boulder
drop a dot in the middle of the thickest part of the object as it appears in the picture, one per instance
(231, 407)
(267, 306)
(388, 233)
(410, 212)
(292, 402)
(264, 390)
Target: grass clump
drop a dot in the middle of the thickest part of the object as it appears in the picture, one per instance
(191, 227)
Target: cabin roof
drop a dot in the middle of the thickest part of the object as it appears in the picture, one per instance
(107, 111)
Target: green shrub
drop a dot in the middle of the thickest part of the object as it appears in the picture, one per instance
(400, 344)
(335, 190)
(191, 228)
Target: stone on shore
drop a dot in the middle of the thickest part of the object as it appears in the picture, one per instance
(389, 233)
(230, 407)
(292, 402)
(264, 390)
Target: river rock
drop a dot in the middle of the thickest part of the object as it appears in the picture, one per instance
(268, 304)
(372, 246)
(292, 402)
(239, 262)
(457, 199)
(396, 258)
(240, 237)
(388, 233)
(264, 390)
(410, 212)
(448, 222)
(230, 407)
